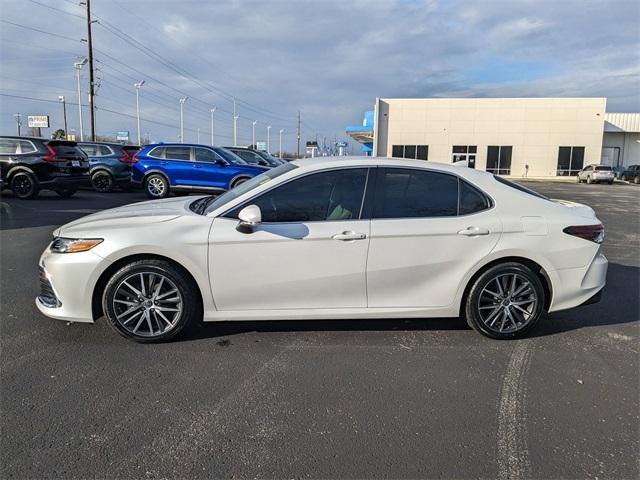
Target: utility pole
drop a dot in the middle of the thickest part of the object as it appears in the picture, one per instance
(198, 142)
(235, 124)
(138, 85)
(78, 66)
(281, 130)
(298, 133)
(213, 110)
(182, 100)
(64, 112)
(92, 96)
(253, 131)
(269, 139)
(18, 118)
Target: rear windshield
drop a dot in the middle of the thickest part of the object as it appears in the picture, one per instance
(66, 148)
(603, 168)
(519, 187)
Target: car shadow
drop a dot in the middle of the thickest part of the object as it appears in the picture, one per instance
(620, 304)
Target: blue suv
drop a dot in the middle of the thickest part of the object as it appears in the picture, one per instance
(180, 167)
(109, 163)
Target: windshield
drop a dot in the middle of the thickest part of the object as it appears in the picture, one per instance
(248, 186)
(230, 156)
(270, 159)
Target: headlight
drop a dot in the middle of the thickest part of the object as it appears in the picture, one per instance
(73, 245)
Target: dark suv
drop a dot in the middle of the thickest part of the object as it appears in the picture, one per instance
(632, 174)
(110, 165)
(256, 157)
(31, 164)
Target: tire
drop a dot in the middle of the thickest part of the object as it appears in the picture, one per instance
(636, 180)
(140, 316)
(24, 185)
(102, 181)
(488, 304)
(239, 181)
(589, 181)
(66, 192)
(156, 186)
(578, 180)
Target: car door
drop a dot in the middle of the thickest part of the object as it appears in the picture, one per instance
(211, 169)
(428, 230)
(310, 250)
(178, 165)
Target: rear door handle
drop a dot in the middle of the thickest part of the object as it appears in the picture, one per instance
(349, 235)
(164, 163)
(474, 231)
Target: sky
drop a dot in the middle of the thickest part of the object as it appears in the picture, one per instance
(327, 59)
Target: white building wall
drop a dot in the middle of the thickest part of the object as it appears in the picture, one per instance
(534, 127)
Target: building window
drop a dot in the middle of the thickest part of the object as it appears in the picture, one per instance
(570, 161)
(499, 159)
(466, 153)
(417, 152)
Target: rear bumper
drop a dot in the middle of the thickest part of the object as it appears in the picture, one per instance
(573, 287)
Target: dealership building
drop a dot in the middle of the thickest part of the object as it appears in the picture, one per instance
(537, 137)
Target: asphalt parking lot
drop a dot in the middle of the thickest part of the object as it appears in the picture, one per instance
(401, 399)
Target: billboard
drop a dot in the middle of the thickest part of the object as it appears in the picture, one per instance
(124, 135)
(38, 121)
(261, 146)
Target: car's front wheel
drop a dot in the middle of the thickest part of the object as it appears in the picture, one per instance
(156, 186)
(151, 301)
(505, 302)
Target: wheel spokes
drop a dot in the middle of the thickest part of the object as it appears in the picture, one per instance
(507, 302)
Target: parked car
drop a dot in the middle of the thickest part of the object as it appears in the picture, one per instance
(596, 174)
(31, 164)
(110, 165)
(255, 157)
(163, 168)
(632, 174)
(618, 171)
(330, 238)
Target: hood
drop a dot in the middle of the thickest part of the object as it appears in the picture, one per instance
(133, 215)
(578, 208)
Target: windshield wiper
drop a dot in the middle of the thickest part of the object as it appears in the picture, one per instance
(200, 205)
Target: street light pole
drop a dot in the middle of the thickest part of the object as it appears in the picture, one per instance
(182, 100)
(64, 112)
(18, 118)
(281, 130)
(253, 136)
(138, 85)
(212, 112)
(269, 139)
(235, 124)
(78, 66)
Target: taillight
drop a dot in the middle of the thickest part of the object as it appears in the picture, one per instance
(52, 157)
(135, 157)
(594, 233)
(125, 158)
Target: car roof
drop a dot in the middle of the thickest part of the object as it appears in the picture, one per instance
(180, 145)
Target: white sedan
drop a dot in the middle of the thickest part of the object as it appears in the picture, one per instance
(330, 238)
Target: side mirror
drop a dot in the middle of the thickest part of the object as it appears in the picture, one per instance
(221, 162)
(249, 217)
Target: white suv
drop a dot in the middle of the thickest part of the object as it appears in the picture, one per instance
(596, 174)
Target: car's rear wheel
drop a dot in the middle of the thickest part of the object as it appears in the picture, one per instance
(102, 181)
(151, 301)
(505, 302)
(636, 180)
(24, 185)
(66, 192)
(156, 186)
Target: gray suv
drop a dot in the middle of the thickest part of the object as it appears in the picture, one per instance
(596, 174)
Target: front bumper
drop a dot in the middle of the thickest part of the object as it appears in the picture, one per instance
(67, 281)
(573, 287)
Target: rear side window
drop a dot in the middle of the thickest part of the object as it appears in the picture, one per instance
(471, 200)
(158, 152)
(412, 193)
(104, 151)
(178, 153)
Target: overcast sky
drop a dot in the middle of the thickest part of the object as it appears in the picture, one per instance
(330, 60)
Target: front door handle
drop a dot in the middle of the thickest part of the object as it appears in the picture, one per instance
(474, 231)
(349, 235)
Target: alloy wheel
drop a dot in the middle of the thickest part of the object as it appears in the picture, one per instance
(147, 304)
(507, 303)
(22, 185)
(102, 182)
(155, 186)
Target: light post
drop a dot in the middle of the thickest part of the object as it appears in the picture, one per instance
(235, 124)
(198, 136)
(212, 112)
(182, 100)
(269, 139)
(18, 118)
(78, 66)
(138, 85)
(253, 133)
(64, 112)
(281, 130)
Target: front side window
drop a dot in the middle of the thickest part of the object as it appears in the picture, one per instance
(178, 153)
(570, 160)
(499, 159)
(411, 193)
(206, 155)
(325, 196)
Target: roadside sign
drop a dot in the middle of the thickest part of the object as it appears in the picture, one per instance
(261, 146)
(124, 135)
(38, 121)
